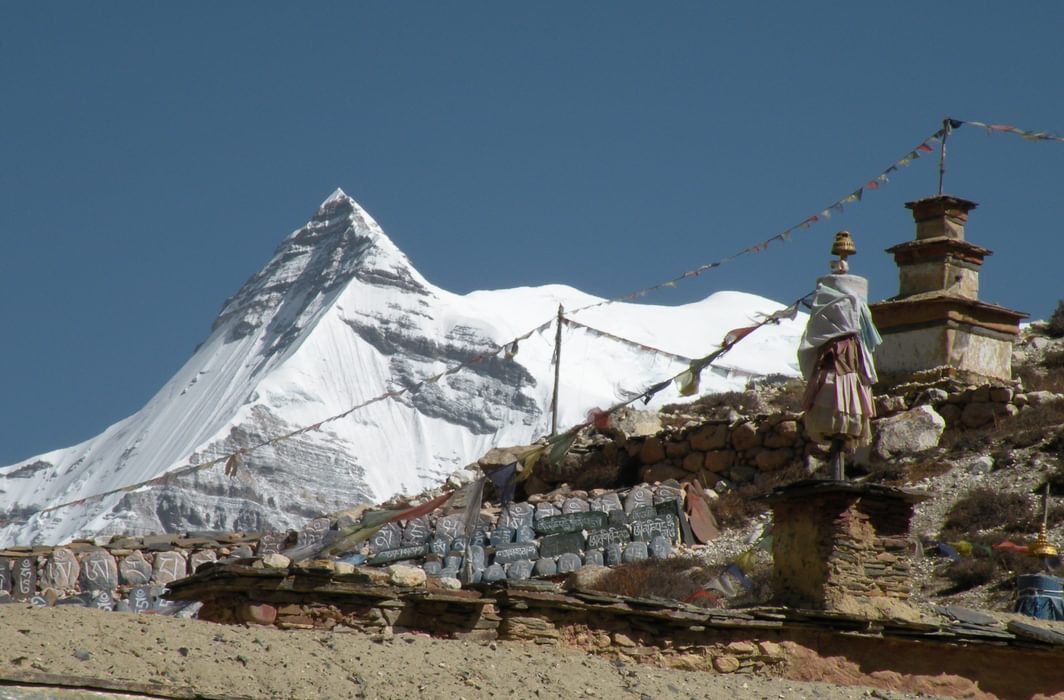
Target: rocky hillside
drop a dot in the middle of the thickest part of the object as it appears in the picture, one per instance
(983, 453)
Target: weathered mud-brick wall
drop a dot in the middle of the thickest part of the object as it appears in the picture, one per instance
(840, 547)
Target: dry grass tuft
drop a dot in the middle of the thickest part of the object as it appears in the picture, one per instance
(677, 578)
(988, 509)
(734, 509)
(969, 573)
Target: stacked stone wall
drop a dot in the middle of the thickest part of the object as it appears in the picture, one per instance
(735, 452)
(968, 407)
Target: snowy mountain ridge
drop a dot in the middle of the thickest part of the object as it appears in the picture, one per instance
(338, 316)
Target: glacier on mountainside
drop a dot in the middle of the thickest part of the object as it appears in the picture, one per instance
(337, 317)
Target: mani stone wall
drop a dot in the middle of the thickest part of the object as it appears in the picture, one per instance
(526, 540)
(127, 574)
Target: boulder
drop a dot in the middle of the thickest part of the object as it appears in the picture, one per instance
(719, 461)
(677, 450)
(713, 436)
(587, 578)
(652, 451)
(693, 462)
(915, 430)
(406, 576)
(1043, 398)
(636, 423)
(277, 561)
(772, 460)
(784, 434)
(977, 414)
(744, 436)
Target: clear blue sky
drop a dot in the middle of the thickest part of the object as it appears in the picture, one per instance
(152, 155)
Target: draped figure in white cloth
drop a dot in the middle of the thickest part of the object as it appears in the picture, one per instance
(835, 357)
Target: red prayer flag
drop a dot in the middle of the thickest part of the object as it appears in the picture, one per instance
(423, 509)
(599, 418)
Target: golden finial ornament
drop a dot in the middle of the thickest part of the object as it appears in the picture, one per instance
(1042, 547)
(843, 246)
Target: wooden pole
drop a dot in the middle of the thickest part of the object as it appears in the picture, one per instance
(838, 459)
(557, 372)
(942, 155)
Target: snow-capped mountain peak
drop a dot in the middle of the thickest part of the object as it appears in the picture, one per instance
(339, 316)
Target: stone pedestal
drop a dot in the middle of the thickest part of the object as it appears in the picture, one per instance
(842, 547)
(936, 322)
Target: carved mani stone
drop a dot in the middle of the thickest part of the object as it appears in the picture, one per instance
(61, 571)
(135, 569)
(99, 572)
(169, 566)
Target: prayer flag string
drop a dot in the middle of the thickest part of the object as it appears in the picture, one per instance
(1006, 129)
(838, 206)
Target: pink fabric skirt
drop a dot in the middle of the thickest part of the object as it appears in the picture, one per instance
(838, 398)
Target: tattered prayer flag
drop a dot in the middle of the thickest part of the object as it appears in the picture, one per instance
(872, 185)
(963, 547)
(670, 283)
(826, 214)
(529, 459)
(745, 561)
(649, 394)
(599, 418)
(925, 148)
(472, 510)
(790, 313)
(837, 206)
(504, 480)
(468, 494)
(1000, 127)
(786, 235)
(1008, 545)
(355, 535)
(687, 382)
(739, 575)
(423, 509)
(560, 446)
(737, 334)
(232, 464)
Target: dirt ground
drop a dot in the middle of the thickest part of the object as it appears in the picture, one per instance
(165, 657)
